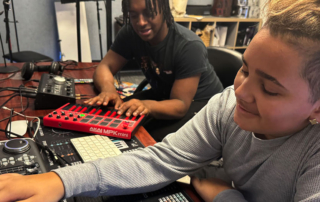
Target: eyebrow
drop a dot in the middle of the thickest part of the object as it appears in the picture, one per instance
(244, 61)
(264, 75)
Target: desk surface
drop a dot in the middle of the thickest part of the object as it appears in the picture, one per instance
(15, 103)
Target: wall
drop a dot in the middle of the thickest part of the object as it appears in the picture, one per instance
(91, 10)
(36, 28)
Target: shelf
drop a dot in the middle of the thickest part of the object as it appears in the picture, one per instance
(234, 24)
(218, 19)
(240, 47)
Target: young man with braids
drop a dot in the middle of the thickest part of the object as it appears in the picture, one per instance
(172, 58)
(266, 128)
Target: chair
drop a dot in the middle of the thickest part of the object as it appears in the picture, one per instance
(225, 62)
(28, 56)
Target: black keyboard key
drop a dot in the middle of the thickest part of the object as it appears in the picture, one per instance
(89, 108)
(68, 107)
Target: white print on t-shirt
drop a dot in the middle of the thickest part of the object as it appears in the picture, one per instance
(168, 72)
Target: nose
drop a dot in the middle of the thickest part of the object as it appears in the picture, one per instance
(142, 21)
(244, 90)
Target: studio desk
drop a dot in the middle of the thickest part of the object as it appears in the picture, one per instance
(87, 89)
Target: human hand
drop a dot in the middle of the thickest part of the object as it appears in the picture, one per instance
(134, 107)
(208, 189)
(31, 188)
(104, 98)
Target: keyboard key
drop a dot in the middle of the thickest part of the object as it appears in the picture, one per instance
(93, 147)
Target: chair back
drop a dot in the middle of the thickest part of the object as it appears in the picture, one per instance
(226, 63)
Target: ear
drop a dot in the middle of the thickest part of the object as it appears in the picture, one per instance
(316, 112)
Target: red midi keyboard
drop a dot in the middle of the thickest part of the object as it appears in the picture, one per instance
(93, 119)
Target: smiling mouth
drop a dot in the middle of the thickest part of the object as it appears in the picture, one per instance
(242, 109)
(145, 32)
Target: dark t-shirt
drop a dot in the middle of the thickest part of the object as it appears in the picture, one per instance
(180, 55)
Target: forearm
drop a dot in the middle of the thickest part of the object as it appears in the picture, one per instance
(167, 109)
(103, 78)
(230, 195)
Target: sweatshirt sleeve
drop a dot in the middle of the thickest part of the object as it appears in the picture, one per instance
(193, 146)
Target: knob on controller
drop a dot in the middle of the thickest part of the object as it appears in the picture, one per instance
(59, 80)
(16, 146)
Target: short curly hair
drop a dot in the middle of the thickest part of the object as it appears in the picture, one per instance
(297, 22)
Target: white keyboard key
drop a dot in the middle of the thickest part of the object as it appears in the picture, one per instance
(91, 148)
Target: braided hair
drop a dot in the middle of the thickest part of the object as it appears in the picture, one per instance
(163, 6)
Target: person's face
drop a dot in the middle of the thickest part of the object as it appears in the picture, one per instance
(152, 30)
(272, 98)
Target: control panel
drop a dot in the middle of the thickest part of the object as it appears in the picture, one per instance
(21, 156)
(54, 91)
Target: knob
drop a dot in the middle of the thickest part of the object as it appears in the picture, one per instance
(71, 115)
(66, 118)
(58, 116)
(50, 115)
(31, 171)
(125, 124)
(54, 112)
(74, 119)
(59, 80)
(17, 146)
(63, 113)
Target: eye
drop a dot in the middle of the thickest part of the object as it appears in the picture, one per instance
(268, 92)
(245, 73)
(149, 14)
(133, 15)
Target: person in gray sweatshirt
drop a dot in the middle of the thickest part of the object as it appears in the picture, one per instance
(265, 127)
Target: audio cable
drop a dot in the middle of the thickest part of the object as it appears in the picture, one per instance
(19, 89)
(56, 158)
(34, 117)
(83, 96)
(10, 76)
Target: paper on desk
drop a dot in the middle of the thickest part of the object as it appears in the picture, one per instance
(186, 179)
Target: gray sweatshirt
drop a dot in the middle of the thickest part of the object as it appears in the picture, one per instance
(281, 169)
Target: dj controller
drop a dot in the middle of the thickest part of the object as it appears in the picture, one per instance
(21, 156)
(58, 140)
(27, 157)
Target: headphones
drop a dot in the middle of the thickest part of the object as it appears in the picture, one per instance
(28, 68)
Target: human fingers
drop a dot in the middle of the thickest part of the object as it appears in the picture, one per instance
(123, 107)
(196, 183)
(114, 98)
(117, 102)
(15, 187)
(209, 188)
(139, 110)
(199, 186)
(145, 112)
(93, 100)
